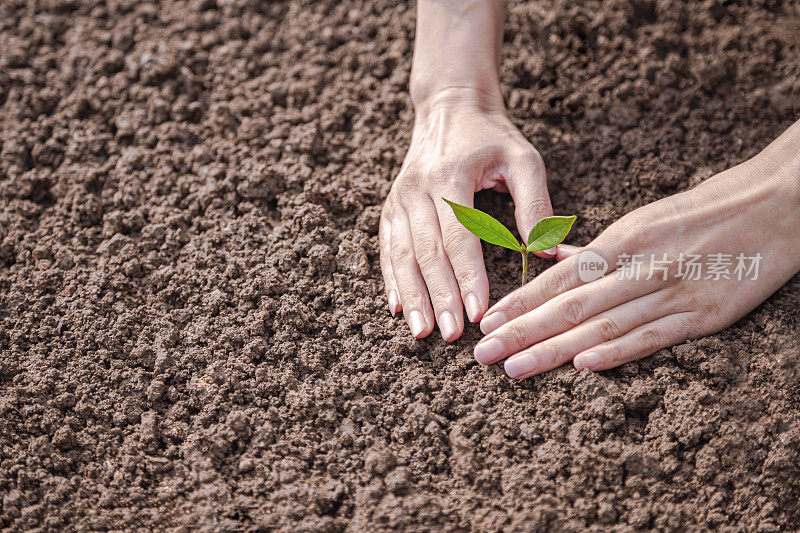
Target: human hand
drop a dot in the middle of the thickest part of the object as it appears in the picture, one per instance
(752, 209)
(431, 264)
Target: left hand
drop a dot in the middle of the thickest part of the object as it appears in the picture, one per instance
(751, 209)
(432, 266)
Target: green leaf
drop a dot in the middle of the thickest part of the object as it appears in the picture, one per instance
(548, 232)
(485, 227)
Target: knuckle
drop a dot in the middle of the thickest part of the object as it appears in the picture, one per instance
(521, 302)
(437, 170)
(400, 253)
(454, 242)
(411, 298)
(467, 275)
(531, 200)
(558, 282)
(573, 310)
(701, 324)
(550, 354)
(516, 334)
(529, 156)
(388, 216)
(533, 156)
(688, 327)
(396, 194)
(609, 330)
(538, 204)
(441, 295)
(653, 338)
(614, 353)
(711, 309)
(451, 179)
(407, 175)
(428, 250)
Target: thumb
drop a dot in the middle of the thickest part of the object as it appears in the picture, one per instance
(566, 250)
(527, 184)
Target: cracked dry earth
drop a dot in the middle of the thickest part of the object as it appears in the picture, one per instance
(193, 332)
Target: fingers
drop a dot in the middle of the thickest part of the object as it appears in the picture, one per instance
(410, 285)
(527, 184)
(390, 285)
(560, 314)
(556, 280)
(463, 249)
(417, 271)
(604, 327)
(435, 268)
(641, 342)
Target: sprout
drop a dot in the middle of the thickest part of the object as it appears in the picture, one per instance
(547, 233)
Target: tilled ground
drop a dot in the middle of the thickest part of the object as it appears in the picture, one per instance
(192, 325)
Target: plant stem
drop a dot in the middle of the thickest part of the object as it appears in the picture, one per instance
(524, 267)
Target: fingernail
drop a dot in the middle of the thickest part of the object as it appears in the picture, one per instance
(551, 251)
(520, 365)
(394, 301)
(416, 322)
(473, 307)
(492, 322)
(447, 325)
(487, 352)
(590, 360)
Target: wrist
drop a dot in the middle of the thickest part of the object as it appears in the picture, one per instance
(427, 100)
(457, 54)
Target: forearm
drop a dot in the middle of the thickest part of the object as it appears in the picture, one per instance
(457, 53)
(780, 161)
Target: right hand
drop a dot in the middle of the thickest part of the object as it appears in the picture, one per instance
(432, 266)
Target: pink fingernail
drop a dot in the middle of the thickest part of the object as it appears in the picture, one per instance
(520, 365)
(588, 360)
(551, 251)
(487, 352)
(473, 307)
(447, 325)
(416, 322)
(492, 322)
(394, 302)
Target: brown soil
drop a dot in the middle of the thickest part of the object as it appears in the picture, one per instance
(192, 325)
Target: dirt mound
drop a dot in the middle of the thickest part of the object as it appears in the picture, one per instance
(192, 324)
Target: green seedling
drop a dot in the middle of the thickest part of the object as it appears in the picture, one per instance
(547, 233)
